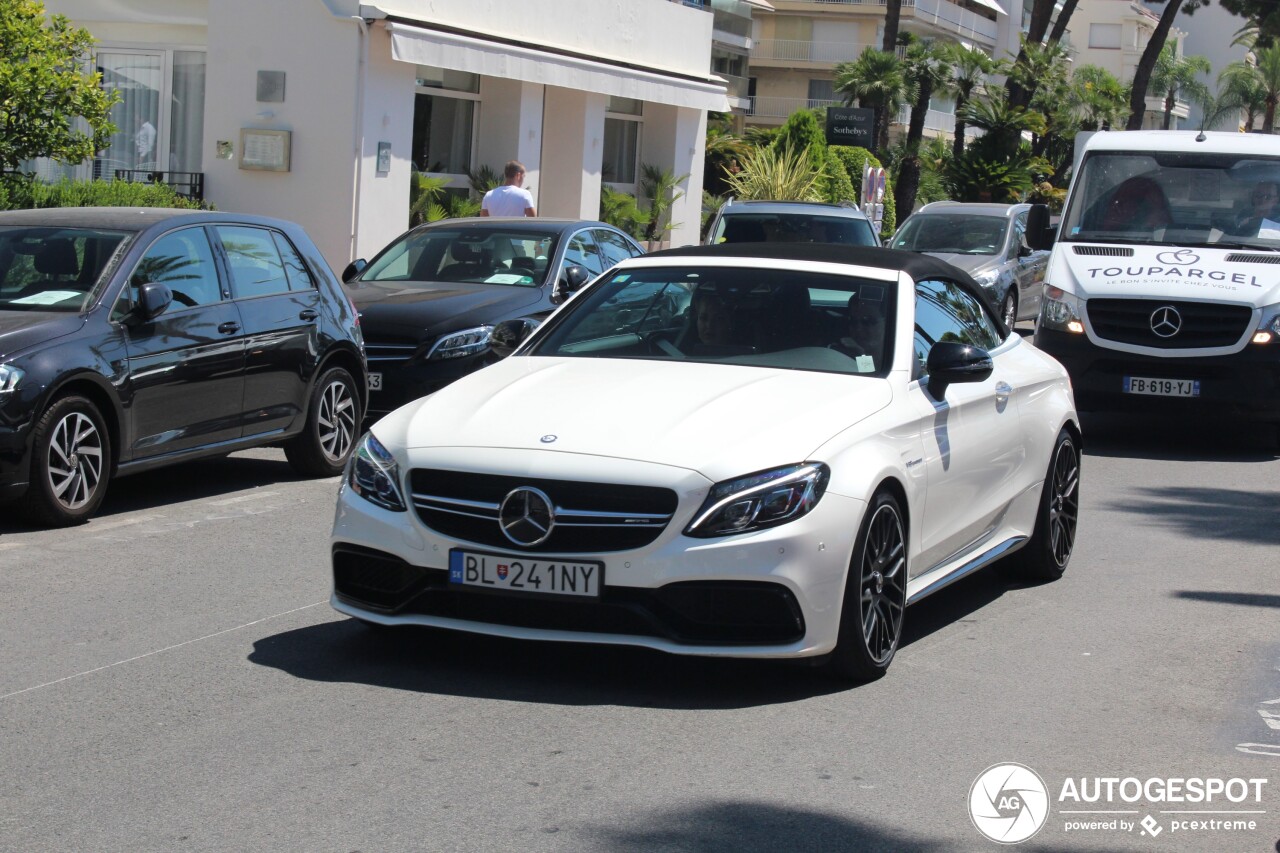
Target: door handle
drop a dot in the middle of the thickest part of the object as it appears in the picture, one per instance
(1003, 390)
(230, 327)
(308, 314)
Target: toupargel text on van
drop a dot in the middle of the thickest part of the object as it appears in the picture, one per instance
(1163, 290)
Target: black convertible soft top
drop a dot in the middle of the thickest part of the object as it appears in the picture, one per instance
(919, 267)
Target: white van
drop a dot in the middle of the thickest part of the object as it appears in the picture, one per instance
(1163, 288)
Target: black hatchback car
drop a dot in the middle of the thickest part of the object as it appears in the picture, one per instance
(132, 338)
(429, 301)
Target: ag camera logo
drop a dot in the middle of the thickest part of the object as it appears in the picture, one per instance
(1008, 803)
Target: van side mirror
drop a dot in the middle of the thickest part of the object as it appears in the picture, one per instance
(354, 269)
(951, 362)
(153, 299)
(1040, 234)
(569, 283)
(509, 334)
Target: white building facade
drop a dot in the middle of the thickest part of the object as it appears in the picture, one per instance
(320, 111)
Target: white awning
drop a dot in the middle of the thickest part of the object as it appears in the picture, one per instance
(993, 5)
(493, 59)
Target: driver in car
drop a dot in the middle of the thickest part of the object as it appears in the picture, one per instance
(865, 341)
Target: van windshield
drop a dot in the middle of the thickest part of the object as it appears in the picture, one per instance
(1163, 198)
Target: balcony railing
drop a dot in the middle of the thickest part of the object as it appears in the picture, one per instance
(792, 50)
(942, 14)
(187, 184)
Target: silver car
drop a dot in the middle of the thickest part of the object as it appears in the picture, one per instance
(987, 241)
(791, 222)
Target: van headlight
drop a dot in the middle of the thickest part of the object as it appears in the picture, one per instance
(459, 344)
(375, 475)
(760, 500)
(1061, 311)
(1268, 329)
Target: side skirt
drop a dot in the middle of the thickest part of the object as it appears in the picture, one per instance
(948, 573)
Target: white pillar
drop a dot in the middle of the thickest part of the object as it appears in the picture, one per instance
(572, 153)
(675, 139)
(510, 128)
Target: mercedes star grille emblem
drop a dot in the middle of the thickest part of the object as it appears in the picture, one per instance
(526, 516)
(1166, 321)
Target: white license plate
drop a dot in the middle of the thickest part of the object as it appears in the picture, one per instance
(537, 575)
(1162, 387)
(375, 381)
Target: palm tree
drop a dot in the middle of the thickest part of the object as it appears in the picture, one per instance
(1103, 101)
(876, 79)
(1147, 63)
(1265, 75)
(773, 173)
(1175, 75)
(970, 70)
(723, 150)
(1244, 92)
(1003, 123)
(926, 69)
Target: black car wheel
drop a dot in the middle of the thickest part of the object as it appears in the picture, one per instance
(875, 598)
(333, 421)
(1009, 309)
(70, 464)
(1045, 556)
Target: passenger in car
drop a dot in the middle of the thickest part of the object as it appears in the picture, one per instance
(1264, 207)
(713, 320)
(1138, 204)
(865, 341)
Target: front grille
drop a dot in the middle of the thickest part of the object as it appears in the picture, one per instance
(1203, 324)
(590, 518)
(1111, 251)
(388, 354)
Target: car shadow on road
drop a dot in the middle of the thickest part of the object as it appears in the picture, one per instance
(1184, 439)
(206, 478)
(1244, 599)
(452, 663)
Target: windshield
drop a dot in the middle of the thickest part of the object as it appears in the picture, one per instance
(952, 234)
(761, 317)
(1176, 198)
(510, 256)
(53, 269)
(793, 228)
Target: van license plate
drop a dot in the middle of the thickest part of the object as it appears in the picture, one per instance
(1162, 387)
(540, 576)
(375, 381)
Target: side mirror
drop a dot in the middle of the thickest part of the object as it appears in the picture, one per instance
(1024, 250)
(509, 334)
(571, 281)
(1040, 234)
(951, 363)
(354, 269)
(153, 299)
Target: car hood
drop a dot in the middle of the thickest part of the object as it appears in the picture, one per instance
(419, 310)
(720, 420)
(1168, 272)
(22, 329)
(968, 263)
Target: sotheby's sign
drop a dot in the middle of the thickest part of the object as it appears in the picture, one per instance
(850, 126)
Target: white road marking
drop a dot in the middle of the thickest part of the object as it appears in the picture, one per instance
(253, 497)
(95, 527)
(159, 651)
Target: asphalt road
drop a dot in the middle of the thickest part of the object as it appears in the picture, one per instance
(172, 678)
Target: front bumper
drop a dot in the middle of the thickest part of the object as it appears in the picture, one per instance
(15, 461)
(408, 381)
(773, 593)
(1245, 383)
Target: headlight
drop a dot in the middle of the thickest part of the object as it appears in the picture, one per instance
(10, 376)
(1061, 310)
(1268, 329)
(375, 475)
(764, 499)
(986, 278)
(458, 344)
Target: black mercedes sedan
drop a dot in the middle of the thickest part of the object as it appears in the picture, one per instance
(428, 302)
(134, 338)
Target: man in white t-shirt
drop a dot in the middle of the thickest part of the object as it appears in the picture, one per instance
(510, 199)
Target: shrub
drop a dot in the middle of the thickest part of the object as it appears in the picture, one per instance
(20, 192)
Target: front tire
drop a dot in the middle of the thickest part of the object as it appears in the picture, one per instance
(1045, 556)
(1009, 309)
(875, 595)
(70, 464)
(333, 421)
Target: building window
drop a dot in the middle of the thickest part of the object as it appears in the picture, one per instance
(621, 147)
(821, 90)
(1104, 36)
(444, 124)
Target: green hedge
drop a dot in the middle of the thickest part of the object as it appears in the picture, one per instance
(854, 159)
(21, 192)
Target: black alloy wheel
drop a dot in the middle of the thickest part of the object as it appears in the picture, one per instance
(70, 464)
(333, 421)
(875, 598)
(1046, 554)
